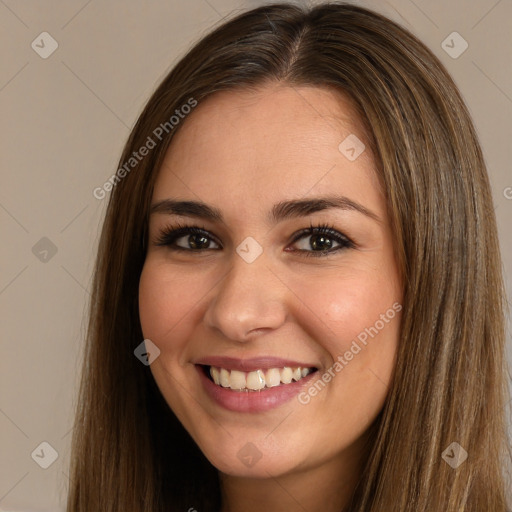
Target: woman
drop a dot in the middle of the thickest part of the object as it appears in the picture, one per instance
(302, 232)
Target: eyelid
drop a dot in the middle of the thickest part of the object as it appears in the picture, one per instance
(322, 229)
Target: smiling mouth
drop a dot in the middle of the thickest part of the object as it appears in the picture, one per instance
(255, 380)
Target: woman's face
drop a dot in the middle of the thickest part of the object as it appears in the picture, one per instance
(254, 291)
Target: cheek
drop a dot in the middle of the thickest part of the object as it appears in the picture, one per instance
(357, 321)
(167, 303)
(344, 306)
(353, 315)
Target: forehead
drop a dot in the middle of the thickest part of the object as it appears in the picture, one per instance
(278, 141)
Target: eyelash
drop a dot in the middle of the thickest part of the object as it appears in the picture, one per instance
(170, 234)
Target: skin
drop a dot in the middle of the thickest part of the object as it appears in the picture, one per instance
(242, 152)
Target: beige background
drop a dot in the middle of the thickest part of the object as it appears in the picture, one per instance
(64, 121)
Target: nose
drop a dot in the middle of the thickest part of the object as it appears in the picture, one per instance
(249, 299)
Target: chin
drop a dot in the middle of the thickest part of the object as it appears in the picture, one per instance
(253, 455)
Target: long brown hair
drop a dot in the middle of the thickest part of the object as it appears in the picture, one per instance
(129, 452)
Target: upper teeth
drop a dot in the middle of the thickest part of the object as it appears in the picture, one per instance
(258, 379)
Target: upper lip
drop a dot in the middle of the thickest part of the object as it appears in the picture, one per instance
(251, 364)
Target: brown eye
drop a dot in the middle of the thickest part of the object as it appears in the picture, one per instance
(190, 239)
(322, 240)
(194, 241)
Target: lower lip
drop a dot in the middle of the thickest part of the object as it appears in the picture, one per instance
(252, 401)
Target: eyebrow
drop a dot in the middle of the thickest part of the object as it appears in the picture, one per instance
(279, 212)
